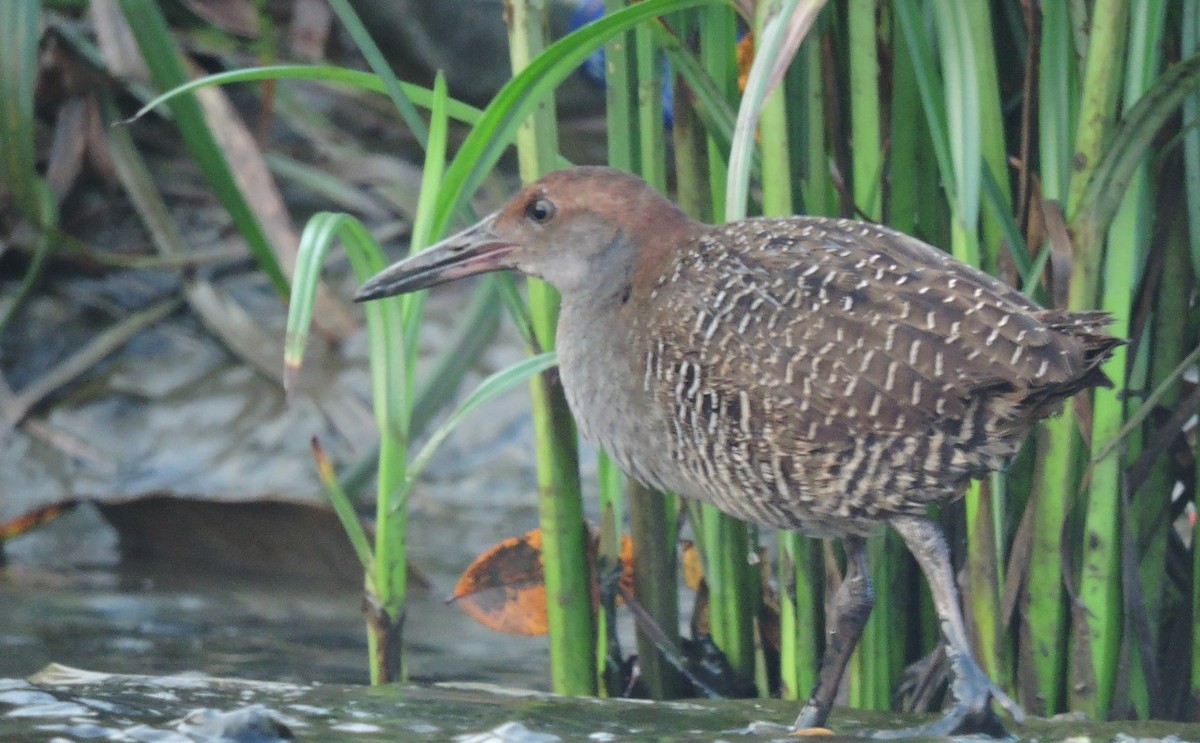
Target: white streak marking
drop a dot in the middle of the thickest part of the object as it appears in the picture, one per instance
(866, 362)
(712, 328)
(913, 350)
(744, 404)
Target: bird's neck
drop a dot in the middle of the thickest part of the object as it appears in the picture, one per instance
(602, 361)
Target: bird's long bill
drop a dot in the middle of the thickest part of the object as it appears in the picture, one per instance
(474, 250)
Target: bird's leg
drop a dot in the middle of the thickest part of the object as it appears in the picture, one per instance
(970, 686)
(851, 607)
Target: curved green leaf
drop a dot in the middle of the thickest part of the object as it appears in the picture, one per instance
(780, 39)
(322, 73)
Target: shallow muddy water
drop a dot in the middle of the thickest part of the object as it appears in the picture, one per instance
(146, 621)
(64, 704)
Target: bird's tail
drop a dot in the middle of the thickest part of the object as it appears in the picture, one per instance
(1088, 327)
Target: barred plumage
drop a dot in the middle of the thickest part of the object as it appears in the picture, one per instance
(819, 374)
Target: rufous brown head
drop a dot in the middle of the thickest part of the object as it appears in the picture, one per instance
(580, 229)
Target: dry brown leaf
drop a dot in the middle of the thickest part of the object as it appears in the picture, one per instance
(243, 154)
(238, 17)
(115, 40)
(255, 180)
(67, 146)
(311, 23)
(96, 149)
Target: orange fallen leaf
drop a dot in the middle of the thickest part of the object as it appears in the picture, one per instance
(745, 58)
(33, 519)
(693, 566)
(504, 589)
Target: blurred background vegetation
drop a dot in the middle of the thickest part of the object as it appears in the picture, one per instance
(1053, 144)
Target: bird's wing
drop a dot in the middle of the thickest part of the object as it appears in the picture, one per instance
(838, 326)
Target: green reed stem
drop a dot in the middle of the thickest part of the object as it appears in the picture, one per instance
(1189, 45)
(865, 117)
(718, 45)
(1054, 470)
(560, 504)
(651, 514)
(1099, 579)
(870, 673)
(620, 82)
(818, 195)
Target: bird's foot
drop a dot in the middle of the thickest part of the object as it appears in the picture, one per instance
(811, 717)
(971, 713)
(973, 689)
(958, 720)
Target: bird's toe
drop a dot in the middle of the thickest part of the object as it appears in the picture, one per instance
(810, 718)
(958, 720)
(974, 691)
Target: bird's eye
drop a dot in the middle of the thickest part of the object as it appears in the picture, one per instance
(540, 210)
